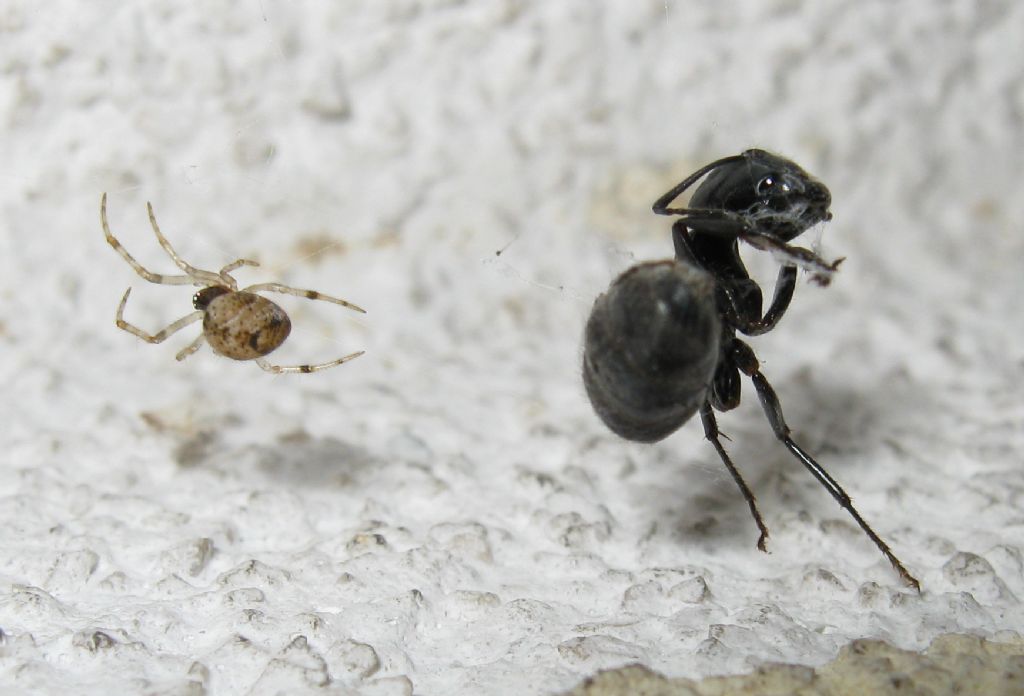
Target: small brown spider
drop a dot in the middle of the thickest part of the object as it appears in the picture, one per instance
(238, 324)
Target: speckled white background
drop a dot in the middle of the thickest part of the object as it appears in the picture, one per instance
(445, 515)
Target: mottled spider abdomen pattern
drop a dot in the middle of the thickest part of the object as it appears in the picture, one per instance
(244, 326)
(651, 347)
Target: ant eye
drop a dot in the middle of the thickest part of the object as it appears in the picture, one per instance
(766, 186)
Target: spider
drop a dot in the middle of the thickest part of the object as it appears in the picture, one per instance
(661, 346)
(237, 323)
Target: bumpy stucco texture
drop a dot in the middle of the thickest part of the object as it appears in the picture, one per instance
(445, 514)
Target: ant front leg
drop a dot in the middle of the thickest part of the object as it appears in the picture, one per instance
(785, 285)
(743, 302)
(821, 270)
(747, 362)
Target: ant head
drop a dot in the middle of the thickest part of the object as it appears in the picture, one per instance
(775, 195)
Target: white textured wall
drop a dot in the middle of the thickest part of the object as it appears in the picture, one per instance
(446, 515)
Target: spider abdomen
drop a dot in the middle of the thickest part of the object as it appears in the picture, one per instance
(244, 325)
(650, 349)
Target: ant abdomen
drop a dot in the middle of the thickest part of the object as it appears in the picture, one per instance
(650, 349)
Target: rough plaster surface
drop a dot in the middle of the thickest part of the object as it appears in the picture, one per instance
(953, 665)
(445, 515)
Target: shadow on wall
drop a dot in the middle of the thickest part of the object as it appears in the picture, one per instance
(844, 425)
(299, 459)
(295, 459)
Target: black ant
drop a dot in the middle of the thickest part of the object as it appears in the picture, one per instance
(661, 344)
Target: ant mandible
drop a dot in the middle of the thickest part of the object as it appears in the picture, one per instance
(662, 345)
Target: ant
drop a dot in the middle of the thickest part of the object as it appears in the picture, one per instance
(661, 344)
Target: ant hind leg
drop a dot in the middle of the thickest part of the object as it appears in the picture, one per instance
(748, 364)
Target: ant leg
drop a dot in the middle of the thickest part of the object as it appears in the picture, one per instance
(747, 362)
(820, 269)
(682, 240)
(683, 243)
(148, 275)
(785, 284)
(308, 294)
(279, 369)
(707, 417)
(199, 276)
(160, 336)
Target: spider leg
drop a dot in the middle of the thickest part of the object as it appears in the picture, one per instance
(237, 263)
(707, 417)
(142, 271)
(159, 336)
(279, 369)
(199, 276)
(308, 294)
(191, 348)
(225, 273)
(747, 362)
